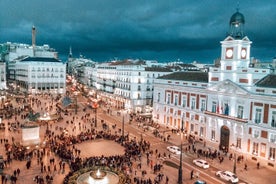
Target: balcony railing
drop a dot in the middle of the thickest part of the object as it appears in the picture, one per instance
(226, 116)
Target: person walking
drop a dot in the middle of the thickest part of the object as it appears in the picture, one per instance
(192, 174)
(258, 165)
(245, 166)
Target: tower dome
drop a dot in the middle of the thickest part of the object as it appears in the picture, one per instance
(237, 18)
(236, 25)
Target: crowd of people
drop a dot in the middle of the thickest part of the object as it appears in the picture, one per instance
(60, 145)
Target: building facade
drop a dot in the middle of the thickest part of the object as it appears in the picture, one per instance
(231, 108)
(40, 75)
(126, 84)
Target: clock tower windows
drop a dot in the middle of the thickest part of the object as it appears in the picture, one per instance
(229, 53)
(243, 53)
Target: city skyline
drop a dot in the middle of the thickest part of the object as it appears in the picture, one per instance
(163, 31)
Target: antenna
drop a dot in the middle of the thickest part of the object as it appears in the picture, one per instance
(238, 6)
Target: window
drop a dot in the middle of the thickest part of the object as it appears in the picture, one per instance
(273, 119)
(139, 73)
(175, 99)
(272, 153)
(168, 98)
(255, 148)
(192, 127)
(272, 138)
(213, 133)
(256, 133)
(214, 106)
(203, 105)
(139, 96)
(193, 103)
(139, 81)
(201, 119)
(184, 101)
(139, 88)
(192, 117)
(201, 131)
(258, 115)
(240, 111)
(158, 97)
(238, 143)
(226, 109)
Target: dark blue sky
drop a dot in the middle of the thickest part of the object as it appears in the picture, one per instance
(156, 30)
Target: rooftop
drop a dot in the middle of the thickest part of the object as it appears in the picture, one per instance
(40, 59)
(187, 76)
(268, 81)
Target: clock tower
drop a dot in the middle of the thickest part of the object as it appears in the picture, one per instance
(235, 48)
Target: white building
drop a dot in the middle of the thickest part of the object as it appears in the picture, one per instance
(40, 74)
(126, 84)
(233, 107)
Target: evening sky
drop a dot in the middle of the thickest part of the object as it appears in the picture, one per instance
(162, 30)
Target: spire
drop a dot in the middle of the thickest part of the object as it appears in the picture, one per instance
(70, 52)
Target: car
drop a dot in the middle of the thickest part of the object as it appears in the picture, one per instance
(200, 182)
(174, 149)
(228, 176)
(201, 163)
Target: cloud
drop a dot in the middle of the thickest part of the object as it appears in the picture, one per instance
(103, 29)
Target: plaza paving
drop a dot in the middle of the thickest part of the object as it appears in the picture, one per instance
(88, 149)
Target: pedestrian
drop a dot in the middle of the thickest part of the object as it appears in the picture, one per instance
(245, 166)
(258, 165)
(192, 174)
(167, 180)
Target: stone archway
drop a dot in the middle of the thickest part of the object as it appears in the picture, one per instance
(224, 138)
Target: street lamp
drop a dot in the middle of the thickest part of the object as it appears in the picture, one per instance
(180, 164)
(95, 107)
(123, 126)
(235, 159)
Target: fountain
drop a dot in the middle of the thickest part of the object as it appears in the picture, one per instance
(98, 177)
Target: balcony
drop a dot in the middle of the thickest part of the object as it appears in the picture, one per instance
(226, 117)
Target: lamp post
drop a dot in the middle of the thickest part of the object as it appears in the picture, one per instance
(123, 126)
(235, 160)
(76, 105)
(180, 164)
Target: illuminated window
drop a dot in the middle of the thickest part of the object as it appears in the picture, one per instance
(201, 131)
(238, 143)
(192, 127)
(255, 148)
(272, 153)
(213, 133)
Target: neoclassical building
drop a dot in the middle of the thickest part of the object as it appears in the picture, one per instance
(126, 84)
(231, 107)
(40, 75)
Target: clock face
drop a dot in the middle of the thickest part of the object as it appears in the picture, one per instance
(243, 53)
(229, 53)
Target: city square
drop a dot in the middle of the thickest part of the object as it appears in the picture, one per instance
(148, 116)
